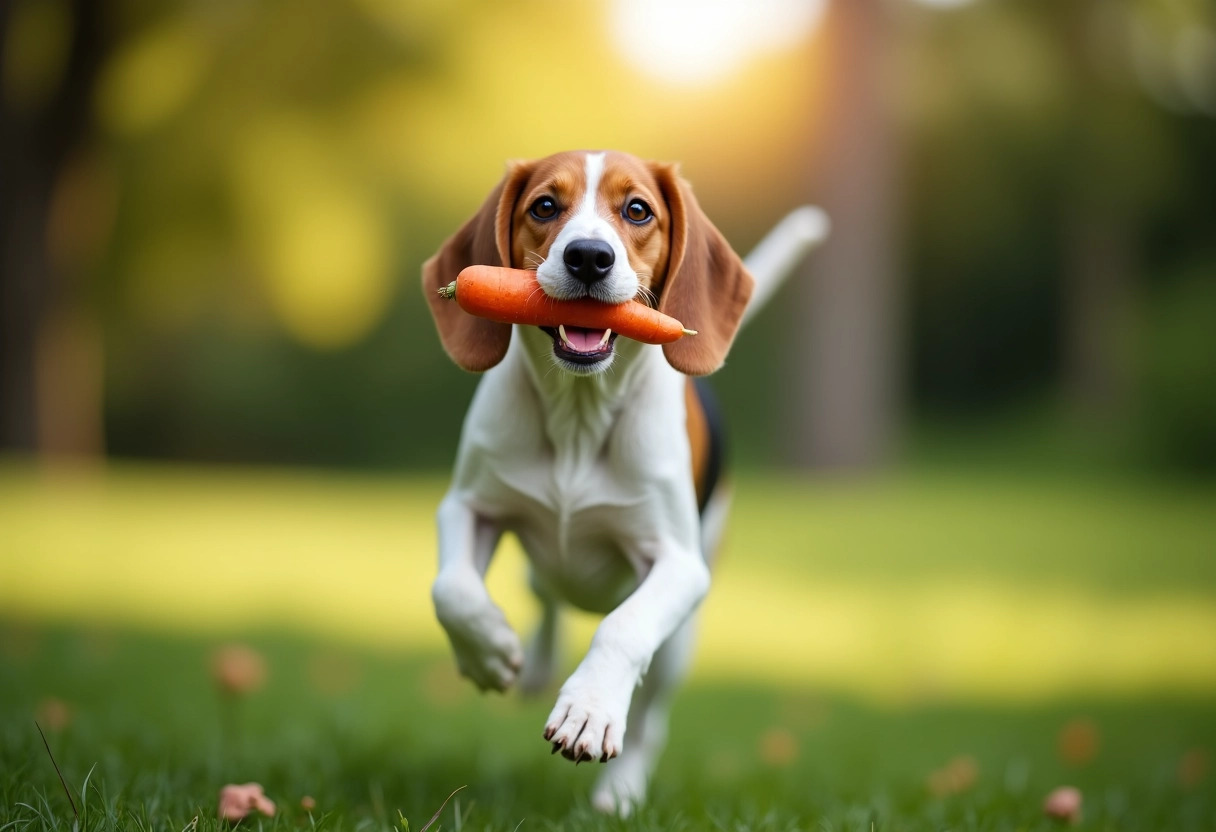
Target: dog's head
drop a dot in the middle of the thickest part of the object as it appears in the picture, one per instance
(608, 226)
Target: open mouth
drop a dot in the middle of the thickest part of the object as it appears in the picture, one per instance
(581, 346)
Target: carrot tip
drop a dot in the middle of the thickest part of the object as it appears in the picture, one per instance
(448, 291)
(689, 331)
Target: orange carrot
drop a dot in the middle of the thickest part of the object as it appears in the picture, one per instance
(513, 296)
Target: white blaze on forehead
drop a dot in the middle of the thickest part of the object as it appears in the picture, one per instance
(594, 167)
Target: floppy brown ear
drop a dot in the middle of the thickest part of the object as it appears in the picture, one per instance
(475, 344)
(707, 285)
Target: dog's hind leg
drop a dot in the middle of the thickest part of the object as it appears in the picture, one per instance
(713, 521)
(541, 652)
(622, 787)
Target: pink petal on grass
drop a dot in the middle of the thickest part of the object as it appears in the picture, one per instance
(238, 801)
(955, 777)
(1078, 742)
(1193, 767)
(54, 713)
(778, 747)
(238, 669)
(1063, 804)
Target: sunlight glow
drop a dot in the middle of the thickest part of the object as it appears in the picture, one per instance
(318, 240)
(698, 42)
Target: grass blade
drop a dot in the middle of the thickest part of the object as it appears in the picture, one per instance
(62, 782)
(438, 811)
(84, 788)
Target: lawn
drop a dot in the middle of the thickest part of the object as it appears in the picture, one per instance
(369, 734)
(861, 636)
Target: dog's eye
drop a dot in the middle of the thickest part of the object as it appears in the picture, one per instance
(638, 212)
(544, 208)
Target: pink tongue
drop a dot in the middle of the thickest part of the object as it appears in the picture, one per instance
(584, 340)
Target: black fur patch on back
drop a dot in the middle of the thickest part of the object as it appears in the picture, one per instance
(716, 424)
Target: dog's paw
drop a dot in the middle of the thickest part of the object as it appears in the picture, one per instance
(488, 653)
(588, 722)
(621, 788)
(487, 650)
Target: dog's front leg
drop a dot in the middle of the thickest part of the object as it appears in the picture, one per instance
(487, 650)
(588, 722)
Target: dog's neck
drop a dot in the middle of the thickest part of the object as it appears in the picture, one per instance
(579, 411)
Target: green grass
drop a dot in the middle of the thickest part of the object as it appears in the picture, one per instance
(391, 733)
(986, 609)
(960, 583)
(1116, 535)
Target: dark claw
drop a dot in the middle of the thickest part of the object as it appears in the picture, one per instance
(604, 757)
(557, 746)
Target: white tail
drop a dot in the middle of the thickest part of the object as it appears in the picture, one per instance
(776, 256)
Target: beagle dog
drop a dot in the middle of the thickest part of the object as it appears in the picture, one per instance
(600, 454)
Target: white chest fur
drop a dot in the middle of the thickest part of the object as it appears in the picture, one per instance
(591, 473)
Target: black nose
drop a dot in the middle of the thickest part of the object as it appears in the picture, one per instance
(588, 260)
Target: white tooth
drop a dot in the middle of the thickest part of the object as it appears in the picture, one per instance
(561, 330)
(604, 340)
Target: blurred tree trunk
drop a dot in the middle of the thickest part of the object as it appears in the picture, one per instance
(50, 370)
(1108, 179)
(1099, 289)
(845, 375)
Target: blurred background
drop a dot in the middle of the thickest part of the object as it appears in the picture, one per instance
(977, 433)
(215, 212)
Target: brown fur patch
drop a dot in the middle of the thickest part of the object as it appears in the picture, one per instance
(697, 426)
(562, 177)
(625, 179)
(707, 286)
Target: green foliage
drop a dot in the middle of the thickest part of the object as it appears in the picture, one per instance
(266, 180)
(1178, 398)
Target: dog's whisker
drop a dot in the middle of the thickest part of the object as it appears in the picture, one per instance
(646, 296)
(643, 290)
